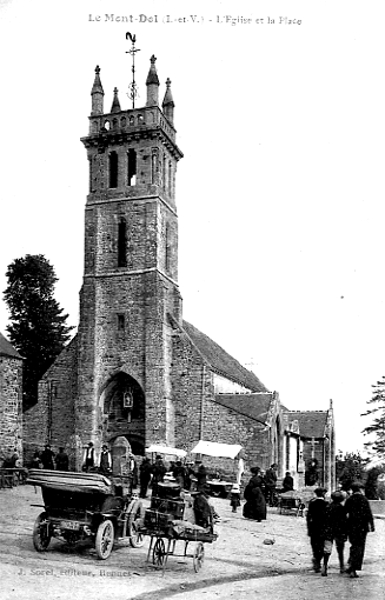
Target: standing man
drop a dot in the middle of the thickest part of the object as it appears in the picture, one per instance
(89, 458)
(158, 473)
(105, 463)
(47, 457)
(145, 473)
(359, 523)
(271, 483)
(316, 526)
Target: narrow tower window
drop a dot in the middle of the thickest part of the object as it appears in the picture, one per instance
(170, 177)
(131, 167)
(122, 243)
(164, 171)
(113, 158)
(168, 249)
(154, 168)
(121, 323)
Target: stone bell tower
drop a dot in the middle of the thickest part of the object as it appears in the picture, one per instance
(130, 283)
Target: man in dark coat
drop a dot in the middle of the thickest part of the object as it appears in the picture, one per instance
(145, 472)
(89, 458)
(271, 483)
(47, 457)
(316, 526)
(359, 523)
(158, 472)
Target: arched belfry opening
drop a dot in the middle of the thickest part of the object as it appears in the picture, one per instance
(122, 412)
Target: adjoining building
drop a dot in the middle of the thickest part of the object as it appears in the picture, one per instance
(11, 372)
(136, 372)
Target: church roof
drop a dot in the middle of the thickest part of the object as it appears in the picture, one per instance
(221, 362)
(6, 349)
(312, 423)
(255, 406)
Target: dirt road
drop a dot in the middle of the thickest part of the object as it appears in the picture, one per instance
(239, 565)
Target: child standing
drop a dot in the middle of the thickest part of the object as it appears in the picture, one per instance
(316, 520)
(335, 530)
(235, 497)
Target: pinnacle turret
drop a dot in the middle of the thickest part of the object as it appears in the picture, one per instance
(152, 83)
(97, 94)
(168, 102)
(115, 103)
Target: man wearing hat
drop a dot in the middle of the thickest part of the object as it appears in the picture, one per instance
(359, 523)
(89, 457)
(105, 463)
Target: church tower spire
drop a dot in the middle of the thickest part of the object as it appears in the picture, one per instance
(97, 94)
(152, 84)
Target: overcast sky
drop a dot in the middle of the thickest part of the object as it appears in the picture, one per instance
(280, 192)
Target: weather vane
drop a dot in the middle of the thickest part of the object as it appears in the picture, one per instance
(133, 90)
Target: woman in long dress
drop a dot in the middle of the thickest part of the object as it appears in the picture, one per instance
(255, 507)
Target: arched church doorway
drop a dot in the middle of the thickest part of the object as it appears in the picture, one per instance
(122, 408)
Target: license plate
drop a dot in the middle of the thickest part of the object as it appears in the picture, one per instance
(70, 525)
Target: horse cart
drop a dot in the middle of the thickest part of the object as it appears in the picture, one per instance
(86, 507)
(171, 519)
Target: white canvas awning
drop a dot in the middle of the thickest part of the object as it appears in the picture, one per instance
(156, 449)
(216, 449)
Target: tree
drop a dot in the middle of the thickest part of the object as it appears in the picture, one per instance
(349, 468)
(38, 327)
(377, 428)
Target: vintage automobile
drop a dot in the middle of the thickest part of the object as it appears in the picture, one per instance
(86, 506)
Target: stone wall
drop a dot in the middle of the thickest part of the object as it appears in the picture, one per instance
(52, 418)
(10, 405)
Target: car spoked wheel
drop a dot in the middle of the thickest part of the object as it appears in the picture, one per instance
(42, 532)
(104, 539)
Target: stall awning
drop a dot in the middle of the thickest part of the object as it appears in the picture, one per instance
(156, 449)
(216, 449)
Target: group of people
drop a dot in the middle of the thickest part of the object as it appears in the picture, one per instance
(335, 522)
(49, 460)
(184, 474)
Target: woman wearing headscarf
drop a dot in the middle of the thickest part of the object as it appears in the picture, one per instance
(255, 507)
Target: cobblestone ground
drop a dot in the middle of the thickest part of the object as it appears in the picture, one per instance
(239, 565)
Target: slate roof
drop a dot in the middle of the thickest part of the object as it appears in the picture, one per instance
(255, 406)
(221, 362)
(312, 423)
(6, 349)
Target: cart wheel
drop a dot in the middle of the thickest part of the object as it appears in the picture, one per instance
(133, 528)
(104, 539)
(42, 533)
(198, 557)
(159, 553)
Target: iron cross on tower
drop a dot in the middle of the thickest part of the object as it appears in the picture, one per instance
(133, 90)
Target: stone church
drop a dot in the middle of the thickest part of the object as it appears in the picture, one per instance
(136, 371)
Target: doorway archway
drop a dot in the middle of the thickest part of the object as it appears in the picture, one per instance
(122, 411)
